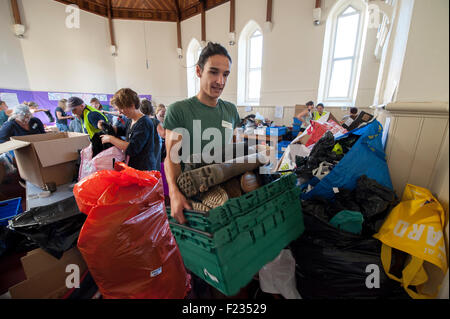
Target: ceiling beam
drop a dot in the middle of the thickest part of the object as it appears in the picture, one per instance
(143, 14)
(232, 15)
(16, 12)
(177, 8)
(269, 11)
(203, 12)
(111, 27)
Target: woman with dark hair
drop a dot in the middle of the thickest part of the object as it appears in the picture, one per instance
(147, 109)
(138, 132)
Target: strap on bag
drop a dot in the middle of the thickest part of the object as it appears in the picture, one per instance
(413, 274)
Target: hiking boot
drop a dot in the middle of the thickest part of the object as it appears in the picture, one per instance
(201, 179)
(229, 152)
(214, 197)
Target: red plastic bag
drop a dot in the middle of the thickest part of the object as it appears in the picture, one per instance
(317, 130)
(126, 240)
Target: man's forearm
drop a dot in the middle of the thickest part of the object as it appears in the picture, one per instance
(172, 171)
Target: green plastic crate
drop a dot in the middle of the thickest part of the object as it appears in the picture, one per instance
(244, 222)
(218, 217)
(227, 261)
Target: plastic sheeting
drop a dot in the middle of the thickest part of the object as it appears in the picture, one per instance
(55, 227)
(334, 264)
(126, 240)
(366, 157)
(278, 276)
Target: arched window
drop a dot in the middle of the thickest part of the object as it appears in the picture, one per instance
(250, 64)
(341, 61)
(192, 55)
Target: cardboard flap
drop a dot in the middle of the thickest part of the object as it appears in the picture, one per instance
(12, 145)
(58, 151)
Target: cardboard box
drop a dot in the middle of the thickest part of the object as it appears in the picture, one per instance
(45, 158)
(46, 275)
(299, 108)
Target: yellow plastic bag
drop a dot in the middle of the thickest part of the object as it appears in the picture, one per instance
(416, 227)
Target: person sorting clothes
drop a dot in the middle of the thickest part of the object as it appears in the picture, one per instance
(20, 123)
(138, 132)
(88, 115)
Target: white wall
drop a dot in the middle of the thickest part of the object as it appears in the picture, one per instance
(57, 58)
(13, 74)
(139, 41)
(425, 75)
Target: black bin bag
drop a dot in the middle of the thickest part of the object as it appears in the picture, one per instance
(332, 264)
(55, 227)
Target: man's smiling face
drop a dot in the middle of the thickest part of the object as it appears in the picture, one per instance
(214, 75)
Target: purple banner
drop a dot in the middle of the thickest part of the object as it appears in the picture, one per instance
(49, 100)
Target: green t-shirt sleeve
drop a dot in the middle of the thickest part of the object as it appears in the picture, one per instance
(173, 117)
(235, 113)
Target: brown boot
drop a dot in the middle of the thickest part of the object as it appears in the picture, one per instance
(201, 179)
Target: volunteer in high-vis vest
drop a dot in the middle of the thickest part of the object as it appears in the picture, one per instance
(88, 115)
(319, 113)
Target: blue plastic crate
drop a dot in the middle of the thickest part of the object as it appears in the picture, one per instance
(8, 209)
(283, 145)
(276, 130)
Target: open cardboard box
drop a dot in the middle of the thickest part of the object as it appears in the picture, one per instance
(46, 275)
(45, 158)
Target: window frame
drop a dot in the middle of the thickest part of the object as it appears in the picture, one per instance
(249, 69)
(244, 64)
(192, 55)
(328, 59)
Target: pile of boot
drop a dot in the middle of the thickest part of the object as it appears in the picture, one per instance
(210, 186)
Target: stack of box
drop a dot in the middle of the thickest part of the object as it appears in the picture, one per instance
(228, 245)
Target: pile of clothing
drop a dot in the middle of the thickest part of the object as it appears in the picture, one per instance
(324, 156)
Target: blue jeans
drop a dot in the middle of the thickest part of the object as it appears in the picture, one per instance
(62, 127)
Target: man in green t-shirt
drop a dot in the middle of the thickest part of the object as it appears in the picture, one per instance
(199, 124)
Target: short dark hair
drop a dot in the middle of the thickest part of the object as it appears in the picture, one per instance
(320, 104)
(74, 101)
(309, 103)
(210, 50)
(354, 110)
(147, 107)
